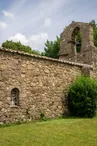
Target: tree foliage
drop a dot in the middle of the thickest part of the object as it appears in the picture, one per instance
(82, 97)
(94, 31)
(18, 46)
(52, 48)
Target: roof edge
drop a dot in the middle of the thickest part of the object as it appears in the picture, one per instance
(44, 58)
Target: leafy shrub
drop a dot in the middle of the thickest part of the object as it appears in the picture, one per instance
(82, 97)
(19, 47)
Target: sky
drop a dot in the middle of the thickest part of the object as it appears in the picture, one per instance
(32, 22)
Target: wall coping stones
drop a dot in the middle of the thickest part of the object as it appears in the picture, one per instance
(45, 58)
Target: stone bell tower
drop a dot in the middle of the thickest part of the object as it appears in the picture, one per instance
(68, 43)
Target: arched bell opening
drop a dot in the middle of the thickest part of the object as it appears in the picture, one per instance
(77, 40)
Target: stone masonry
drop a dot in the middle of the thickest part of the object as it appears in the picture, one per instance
(31, 84)
(68, 44)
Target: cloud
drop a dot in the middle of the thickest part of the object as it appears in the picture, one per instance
(37, 41)
(39, 16)
(19, 37)
(7, 14)
(3, 25)
(34, 41)
(47, 22)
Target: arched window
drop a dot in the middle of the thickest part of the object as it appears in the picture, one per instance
(77, 39)
(15, 96)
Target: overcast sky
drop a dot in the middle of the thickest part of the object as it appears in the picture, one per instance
(34, 21)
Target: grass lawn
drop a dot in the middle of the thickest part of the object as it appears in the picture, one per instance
(59, 132)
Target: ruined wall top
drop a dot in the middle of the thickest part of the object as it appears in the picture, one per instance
(68, 43)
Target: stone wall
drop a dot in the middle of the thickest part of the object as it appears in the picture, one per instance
(68, 43)
(41, 82)
(94, 71)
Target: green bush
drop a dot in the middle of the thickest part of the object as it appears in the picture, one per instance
(82, 96)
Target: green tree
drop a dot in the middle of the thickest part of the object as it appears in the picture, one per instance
(94, 31)
(18, 46)
(52, 48)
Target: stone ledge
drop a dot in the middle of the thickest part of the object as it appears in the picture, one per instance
(14, 106)
(45, 58)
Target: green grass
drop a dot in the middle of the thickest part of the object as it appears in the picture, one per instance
(59, 132)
